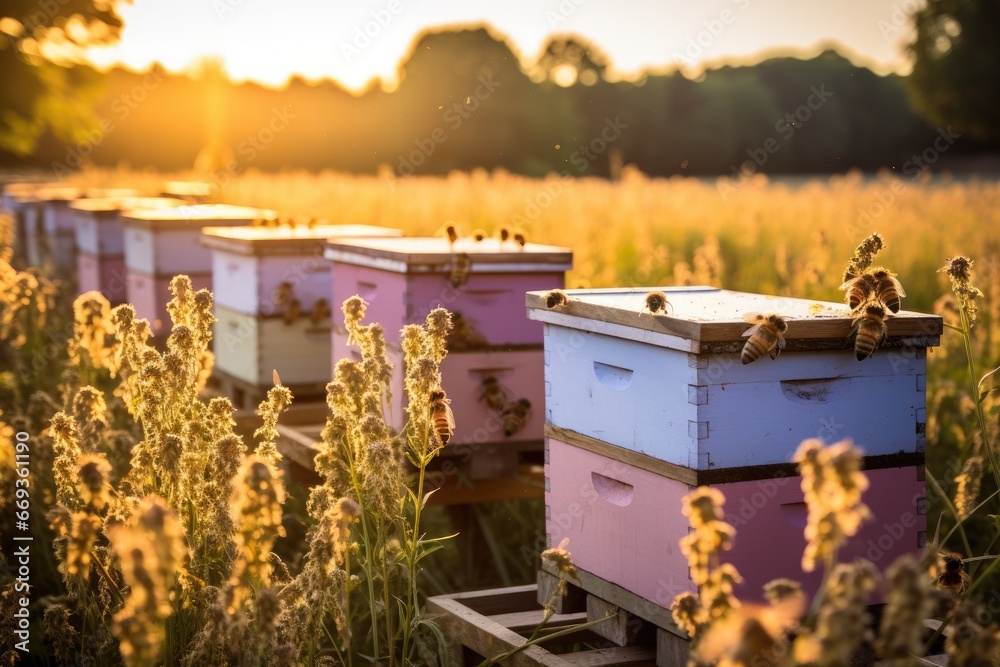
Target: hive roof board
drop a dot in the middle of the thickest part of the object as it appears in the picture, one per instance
(64, 193)
(188, 189)
(116, 204)
(199, 215)
(258, 240)
(434, 254)
(711, 320)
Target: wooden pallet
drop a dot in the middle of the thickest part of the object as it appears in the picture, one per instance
(490, 623)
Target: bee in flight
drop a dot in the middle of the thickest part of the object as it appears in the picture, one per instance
(951, 574)
(292, 311)
(478, 235)
(320, 312)
(869, 328)
(501, 233)
(493, 394)
(450, 232)
(656, 302)
(441, 415)
(556, 298)
(274, 376)
(461, 264)
(463, 335)
(516, 416)
(878, 283)
(765, 337)
(520, 239)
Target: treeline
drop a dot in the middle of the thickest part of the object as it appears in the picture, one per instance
(464, 102)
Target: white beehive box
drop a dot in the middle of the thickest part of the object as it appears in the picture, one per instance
(191, 192)
(17, 200)
(252, 335)
(162, 243)
(674, 388)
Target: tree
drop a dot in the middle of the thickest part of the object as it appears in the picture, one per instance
(957, 65)
(39, 92)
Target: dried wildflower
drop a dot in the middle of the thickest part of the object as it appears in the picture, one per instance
(94, 481)
(81, 539)
(258, 495)
(779, 590)
(93, 343)
(843, 620)
(686, 612)
(959, 272)
(60, 633)
(832, 483)
(970, 644)
(151, 552)
(863, 257)
(90, 416)
(381, 479)
(909, 603)
(753, 635)
(277, 401)
(65, 444)
(561, 559)
(711, 535)
(968, 482)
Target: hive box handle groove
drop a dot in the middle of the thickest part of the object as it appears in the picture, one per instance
(613, 377)
(367, 291)
(815, 391)
(795, 514)
(611, 490)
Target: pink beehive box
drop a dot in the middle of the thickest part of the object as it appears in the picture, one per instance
(162, 243)
(17, 200)
(404, 279)
(624, 520)
(257, 273)
(642, 408)
(100, 241)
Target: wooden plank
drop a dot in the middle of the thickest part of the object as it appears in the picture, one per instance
(526, 621)
(623, 628)
(438, 252)
(492, 601)
(713, 315)
(468, 628)
(618, 655)
(620, 597)
(574, 601)
(671, 650)
(460, 490)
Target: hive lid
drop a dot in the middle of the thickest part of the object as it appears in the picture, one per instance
(188, 189)
(259, 240)
(198, 215)
(21, 189)
(710, 320)
(115, 204)
(64, 193)
(433, 254)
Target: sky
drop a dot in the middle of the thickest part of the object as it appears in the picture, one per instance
(352, 41)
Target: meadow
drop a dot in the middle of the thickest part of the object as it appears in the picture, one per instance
(777, 237)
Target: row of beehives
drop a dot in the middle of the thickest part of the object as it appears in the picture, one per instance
(278, 289)
(641, 409)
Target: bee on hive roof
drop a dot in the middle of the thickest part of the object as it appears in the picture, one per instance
(766, 336)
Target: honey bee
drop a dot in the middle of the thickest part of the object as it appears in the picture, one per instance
(493, 394)
(442, 416)
(859, 289)
(501, 233)
(461, 264)
(311, 223)
(655, 303)
(888, 290)
(320, 312)
(450, 232)
(952, 576)
(274, 376)
(869, 329)
(478, 235)
(292, 311)
(515, 416)
(463, 336)
(556, 299)
(283, 293)
(520, 239)
(766, 336)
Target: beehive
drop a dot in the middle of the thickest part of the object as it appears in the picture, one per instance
(50, 233)
(100, 241)
(262, 277)
(17, 201)
(162, 243)
(191, 192)
(404, 279)
(641, 409)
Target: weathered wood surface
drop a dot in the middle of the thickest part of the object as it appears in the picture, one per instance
(297, 240)
(708, 314)
(421, 254)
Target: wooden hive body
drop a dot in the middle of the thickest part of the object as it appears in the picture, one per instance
(404, 279)
(57, 221)
(642, 409)
(252, 336)
(16, 199)
(162, 243)
(674, 387)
